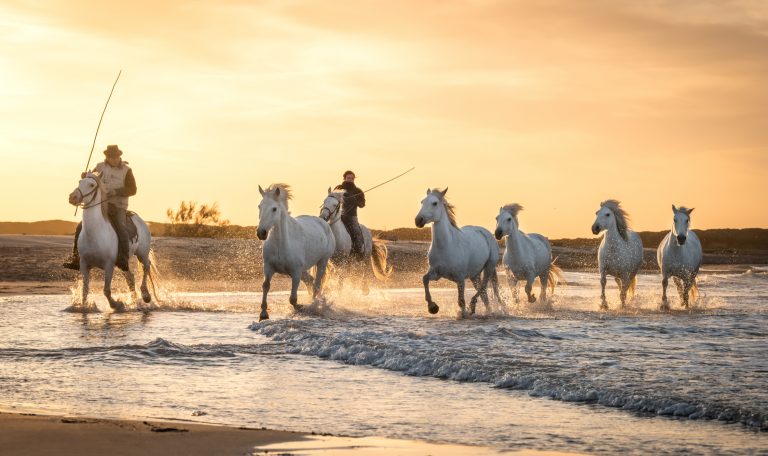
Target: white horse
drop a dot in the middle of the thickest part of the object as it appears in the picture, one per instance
(97, 242)
(375, 252)
(293, 245)
(457, 254)
(621, 250)
(679, 255)
(527, 255)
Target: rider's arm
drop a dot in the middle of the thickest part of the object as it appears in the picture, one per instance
(129, 186)
(360, 198)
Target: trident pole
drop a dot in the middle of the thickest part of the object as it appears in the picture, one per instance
(90, 155)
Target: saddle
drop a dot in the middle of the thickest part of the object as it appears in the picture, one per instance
(130, 227)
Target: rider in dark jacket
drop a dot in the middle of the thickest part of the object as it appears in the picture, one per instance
(354, 197)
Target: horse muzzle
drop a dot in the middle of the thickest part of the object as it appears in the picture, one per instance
(74, 199)
(681, 239)
(595, 229)
(498, 234)
(419, 221)
(324, 215)
(261, 233)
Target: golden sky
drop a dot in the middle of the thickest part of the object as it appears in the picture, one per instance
(556, 105)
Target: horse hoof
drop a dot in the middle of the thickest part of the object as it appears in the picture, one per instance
(433, 308)
(263, 315)
(603, 305)
(532, 299)
(117, 306)
(293, 300)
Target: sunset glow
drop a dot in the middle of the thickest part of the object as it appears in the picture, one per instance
(556, 105)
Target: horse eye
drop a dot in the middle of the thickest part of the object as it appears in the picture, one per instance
(509, 219)
(607, 215)
(274, 209)
(434, 203)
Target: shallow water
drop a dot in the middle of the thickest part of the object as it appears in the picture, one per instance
(630, 380)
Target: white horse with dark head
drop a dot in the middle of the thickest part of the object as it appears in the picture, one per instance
(293, 245)
(373, 251)
(679, 255)
(527, 256)
(97, 242)
(457, 253)
(621, 250)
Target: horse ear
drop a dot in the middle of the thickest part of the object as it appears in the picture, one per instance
(674, 209)
(691, 210)
(428, 192)
(444, 191)
(277, 191)
(261, 190)
(329, 190)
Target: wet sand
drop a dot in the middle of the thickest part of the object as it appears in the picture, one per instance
(31, 434)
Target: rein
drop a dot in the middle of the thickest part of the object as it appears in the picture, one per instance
(331, 214)
(93, 192)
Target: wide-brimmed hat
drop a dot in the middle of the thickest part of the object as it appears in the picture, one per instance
(113, 151)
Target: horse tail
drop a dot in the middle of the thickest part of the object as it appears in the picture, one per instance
(556, 276)
(379, 261)
(152, 273)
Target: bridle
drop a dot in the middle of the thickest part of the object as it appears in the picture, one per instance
(93, 192)
(333, 213)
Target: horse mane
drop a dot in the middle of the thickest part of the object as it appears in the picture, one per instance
(285, 192)
(449, 208)
(622, 217)
(684, 210)
(103, 192)
(513, 209)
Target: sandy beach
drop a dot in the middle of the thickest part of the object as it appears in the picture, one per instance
(41, 435)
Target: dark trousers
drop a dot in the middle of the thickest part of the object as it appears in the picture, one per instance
(117, 216)
(356, 233)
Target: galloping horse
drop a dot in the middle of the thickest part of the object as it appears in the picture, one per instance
(293, 245)
(97, 242)
(457, 253)
(679, 255)
(621, 250)
(374, 251)
(527, 256)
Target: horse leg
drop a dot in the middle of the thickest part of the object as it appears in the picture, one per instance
(603, 301)
(481, 285)
(264, 315)
(295, 281)
(513, 285)
(462, 302)
(116, 305)
(679, 286)
(86, 272)
(529, 289)
(318, 287)
(623, 287)
(146, 267)
(686, 292)
(131, 284)
(367, 266)
(544, 278)
(664, 283)
(309, 281)
(432, 307)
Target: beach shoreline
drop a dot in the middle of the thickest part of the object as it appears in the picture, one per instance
(43, 434)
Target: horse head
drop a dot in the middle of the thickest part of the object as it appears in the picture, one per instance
(611, 215)
(506, 221)
(331, 210)
(433, 207)
(273, 204)
(682, 222)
